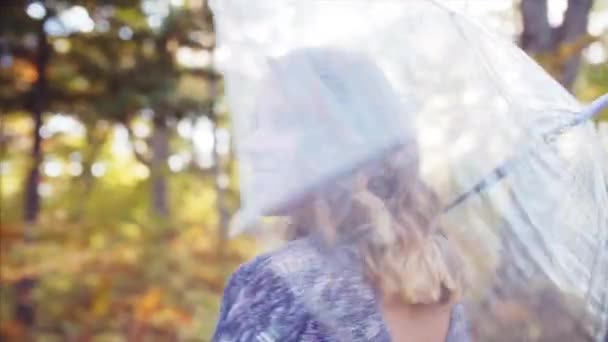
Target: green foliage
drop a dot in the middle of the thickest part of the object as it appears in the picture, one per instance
(106, 266)
(593, 81)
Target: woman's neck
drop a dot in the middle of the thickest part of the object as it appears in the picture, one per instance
(416, 322)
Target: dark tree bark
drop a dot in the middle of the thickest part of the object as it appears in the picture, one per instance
(220, 162)
(156, 162)
(573, 29)
(38, 104)
(158, 167)
(537, 33)
(557, 48)
(220, 205)
(24, 301)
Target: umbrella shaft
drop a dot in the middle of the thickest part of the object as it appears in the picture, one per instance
(501, 171)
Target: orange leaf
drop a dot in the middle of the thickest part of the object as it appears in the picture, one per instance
(148, 303)
(12, 330)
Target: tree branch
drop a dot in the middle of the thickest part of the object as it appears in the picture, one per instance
(537, 34)
(557, 49)
(139, 156)
(571, 35)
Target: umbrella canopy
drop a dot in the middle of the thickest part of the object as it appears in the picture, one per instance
(321, 89)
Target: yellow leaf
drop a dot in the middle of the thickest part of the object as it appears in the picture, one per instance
(148, 303)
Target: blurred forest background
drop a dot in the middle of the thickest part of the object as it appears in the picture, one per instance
(117, 170)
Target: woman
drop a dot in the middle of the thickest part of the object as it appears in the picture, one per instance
(367, 260)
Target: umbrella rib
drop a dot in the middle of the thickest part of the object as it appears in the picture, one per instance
(501, 171)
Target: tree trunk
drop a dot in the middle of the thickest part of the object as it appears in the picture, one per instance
(219, 172)
(158, 166)
(24, 302)
(220, 205)
(537, 33)
(95, 142)
(221, 163)
(573, 29)
(32, 199)
(557, 49)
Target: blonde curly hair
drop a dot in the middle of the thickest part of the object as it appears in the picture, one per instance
(394, 223)
(382, 206)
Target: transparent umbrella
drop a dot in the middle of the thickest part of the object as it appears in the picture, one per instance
(321, 90)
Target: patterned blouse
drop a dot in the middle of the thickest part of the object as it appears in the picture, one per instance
(304, 292)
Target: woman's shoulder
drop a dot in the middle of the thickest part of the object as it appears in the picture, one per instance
(259, 304)
(305, 262)
(291, 290)
(288, 262)
(274, 271)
